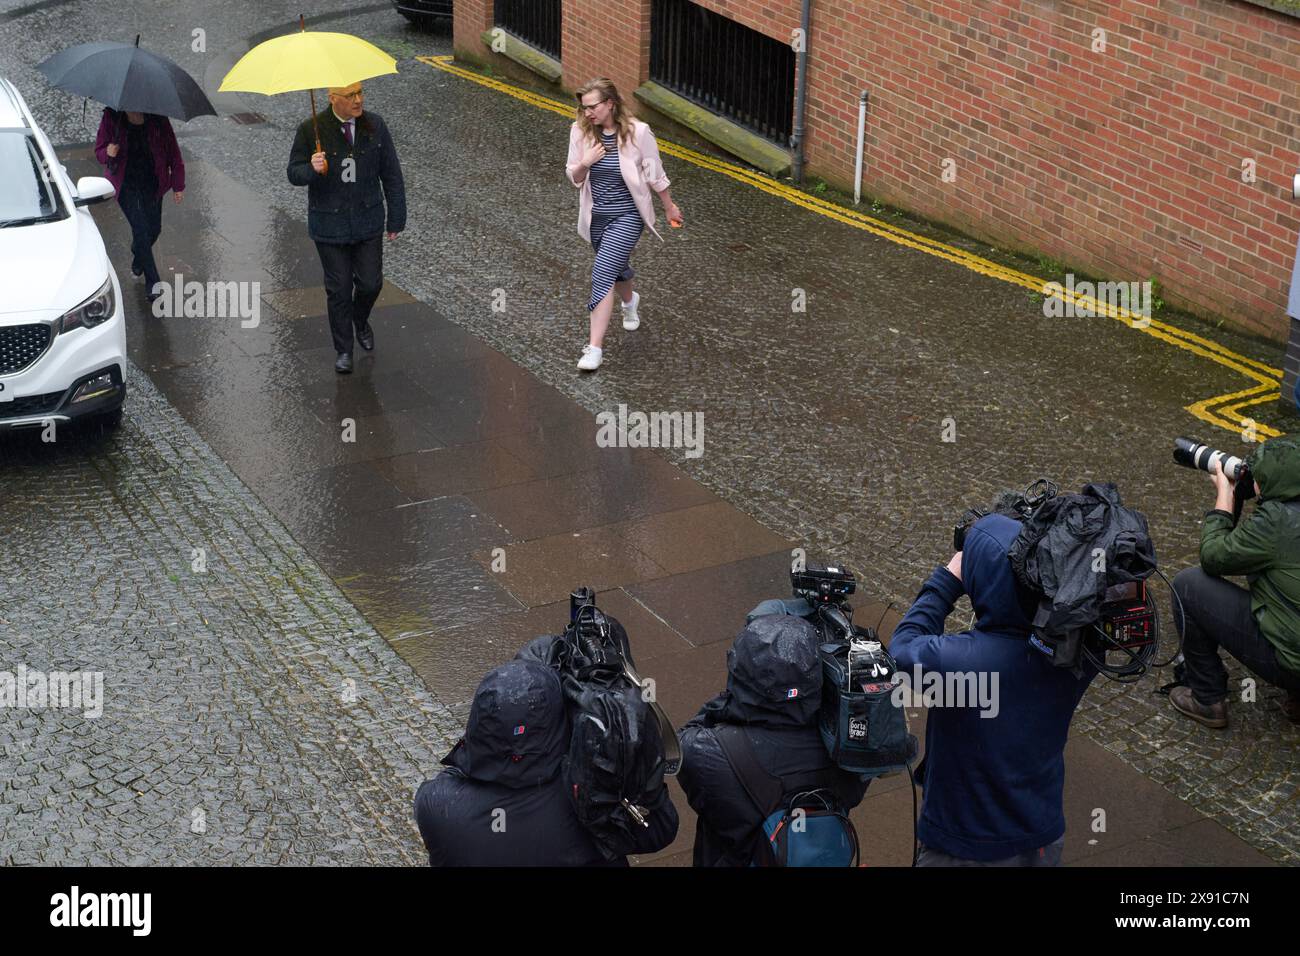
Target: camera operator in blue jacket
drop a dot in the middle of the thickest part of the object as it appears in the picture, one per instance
(993, 776)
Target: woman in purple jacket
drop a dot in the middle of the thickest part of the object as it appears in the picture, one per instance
(139, 154)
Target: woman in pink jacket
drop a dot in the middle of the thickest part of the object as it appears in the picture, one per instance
(614, 160)
(139, 153)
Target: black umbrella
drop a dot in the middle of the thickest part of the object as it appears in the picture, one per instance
(125, 77)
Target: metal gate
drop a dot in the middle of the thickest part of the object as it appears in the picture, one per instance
(535, 21)
(727, 68)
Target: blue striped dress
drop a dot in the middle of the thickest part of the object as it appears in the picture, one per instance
(616, 224)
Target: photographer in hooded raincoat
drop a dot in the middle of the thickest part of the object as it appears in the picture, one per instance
(1260, 626)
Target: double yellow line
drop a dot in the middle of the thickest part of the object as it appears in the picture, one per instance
(1222, 411)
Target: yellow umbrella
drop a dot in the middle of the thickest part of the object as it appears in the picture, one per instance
(305, 61)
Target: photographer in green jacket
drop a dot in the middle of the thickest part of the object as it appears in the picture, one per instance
(1260, 626)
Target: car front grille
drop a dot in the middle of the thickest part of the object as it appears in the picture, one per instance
(30, 405)
(21, 345)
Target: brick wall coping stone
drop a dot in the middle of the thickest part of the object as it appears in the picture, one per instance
(750, 147)
(525, 55)
(1289, 7)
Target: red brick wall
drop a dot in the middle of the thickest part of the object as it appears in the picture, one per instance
(607, 38)
(1126, 163)
(1121, 163)
(469, 18)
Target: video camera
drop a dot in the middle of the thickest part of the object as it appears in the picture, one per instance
(595, 650)
(1020, 506)
(863, 730)
(826, 589)
(1121, 641)
(591, 637)
(1190, 453)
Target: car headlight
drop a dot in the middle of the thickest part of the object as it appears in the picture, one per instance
(98, 308)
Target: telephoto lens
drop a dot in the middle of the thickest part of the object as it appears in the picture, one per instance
(1190, 453)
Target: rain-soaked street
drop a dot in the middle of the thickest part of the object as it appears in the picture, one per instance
(294, 580)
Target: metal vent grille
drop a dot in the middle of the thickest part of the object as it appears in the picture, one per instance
(725, 67)
(536, 21)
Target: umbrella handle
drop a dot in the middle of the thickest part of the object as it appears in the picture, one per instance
(302, 25)
(316, 129)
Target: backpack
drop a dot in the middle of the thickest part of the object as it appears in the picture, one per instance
(614, 767)
(803, 821)
(621, 745)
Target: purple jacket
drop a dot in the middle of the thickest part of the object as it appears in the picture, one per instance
(168, 166)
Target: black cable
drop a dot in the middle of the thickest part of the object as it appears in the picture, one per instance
(1180, 630)
(889, 607)
(916, 843)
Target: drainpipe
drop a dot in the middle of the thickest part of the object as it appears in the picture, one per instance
(1291, 364)
(862, 135)
(801, 95)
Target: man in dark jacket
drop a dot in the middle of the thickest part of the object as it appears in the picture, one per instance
(774, 690)
(348, 182)
(994, 770)
(503, 801)
(1260, 626)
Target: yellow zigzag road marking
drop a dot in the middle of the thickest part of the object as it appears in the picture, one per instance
(1215, 411)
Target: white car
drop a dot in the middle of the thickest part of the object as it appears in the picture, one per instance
(62, 325)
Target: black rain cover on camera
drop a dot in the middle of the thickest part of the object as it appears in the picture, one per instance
(617, 748)
(1055, 555)
(615, 758)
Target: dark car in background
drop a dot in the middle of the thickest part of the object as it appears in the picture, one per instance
(423, 12)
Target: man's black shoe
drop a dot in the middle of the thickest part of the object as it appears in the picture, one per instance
(366, 336)
(343, 364)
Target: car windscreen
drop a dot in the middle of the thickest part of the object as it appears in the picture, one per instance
(27, 190)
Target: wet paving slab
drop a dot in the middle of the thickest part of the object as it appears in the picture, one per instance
(250, 715)
(473, 432)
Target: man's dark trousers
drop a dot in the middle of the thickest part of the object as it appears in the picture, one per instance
(354, 276)
(350, 207)
(1217, 614)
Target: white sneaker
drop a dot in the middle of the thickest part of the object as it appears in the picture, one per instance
(591, 356)
(631, 321)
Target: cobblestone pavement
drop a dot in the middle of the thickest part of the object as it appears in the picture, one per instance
(249, 701)
(824, 426)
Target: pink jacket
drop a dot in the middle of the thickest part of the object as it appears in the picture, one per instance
(642, 171)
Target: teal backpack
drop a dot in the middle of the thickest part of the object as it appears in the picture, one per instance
(803, 821)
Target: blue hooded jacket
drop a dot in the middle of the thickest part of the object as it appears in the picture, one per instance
(993, 784)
